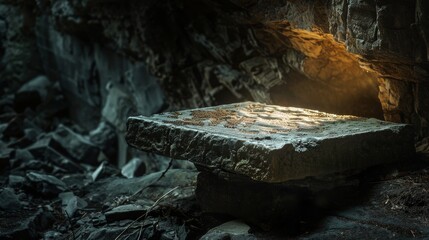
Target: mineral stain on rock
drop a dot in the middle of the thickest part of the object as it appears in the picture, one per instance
(272, 143)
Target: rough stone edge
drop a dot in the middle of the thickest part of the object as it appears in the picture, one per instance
(222, 153)
(218, 151)
(354, 152)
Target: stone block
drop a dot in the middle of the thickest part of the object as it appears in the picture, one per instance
(272, 143)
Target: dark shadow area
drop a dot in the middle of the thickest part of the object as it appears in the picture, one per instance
(279, 211)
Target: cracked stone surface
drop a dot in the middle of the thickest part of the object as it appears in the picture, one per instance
(271, 143)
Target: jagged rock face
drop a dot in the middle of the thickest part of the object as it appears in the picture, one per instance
(211, 52)
(391, 37)
(206, 53)
(98, 82)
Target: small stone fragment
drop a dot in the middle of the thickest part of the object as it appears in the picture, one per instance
(32, 133)
(134, 168)
(71, 203)
(23, 155)
(44, 149)
(14, 128)
(104, 170)
(9, 200)
(129, 211)
(6, 105)
(46, 184)
(51, 235)
(33, 165)
(3, 126)
(5, 157)
(104, 137)
(75, 145)
(16, 181)
(234, 230)
(97, 173)
(43, 219)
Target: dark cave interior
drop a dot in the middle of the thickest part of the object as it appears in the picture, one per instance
(189, 119)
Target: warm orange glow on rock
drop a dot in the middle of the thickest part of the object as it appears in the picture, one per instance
(324, 74)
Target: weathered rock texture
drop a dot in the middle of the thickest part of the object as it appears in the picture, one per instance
(99, 83)
(391, 36)
(117, 58)
(271, 143)
(212, 52)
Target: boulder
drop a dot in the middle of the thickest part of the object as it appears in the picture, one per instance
(75, 145)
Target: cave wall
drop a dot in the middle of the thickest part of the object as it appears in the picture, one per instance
(18, 45)
(367, 58)
(99, 83)
(390, 36)
(208, 52)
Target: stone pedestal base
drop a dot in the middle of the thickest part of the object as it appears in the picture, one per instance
(268, 204)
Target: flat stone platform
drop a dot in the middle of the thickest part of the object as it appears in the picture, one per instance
(271, 143)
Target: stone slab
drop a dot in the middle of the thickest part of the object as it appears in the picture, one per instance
(271, 143)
